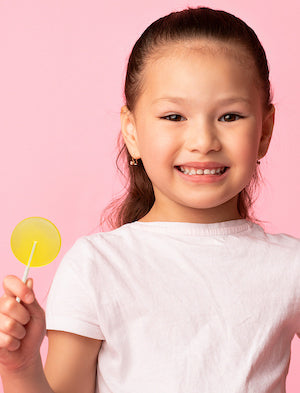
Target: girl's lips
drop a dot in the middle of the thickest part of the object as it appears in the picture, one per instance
(203, 165)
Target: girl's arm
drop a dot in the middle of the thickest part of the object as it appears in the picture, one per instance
(71, 362)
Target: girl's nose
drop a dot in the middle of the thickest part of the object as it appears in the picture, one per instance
(202, 138)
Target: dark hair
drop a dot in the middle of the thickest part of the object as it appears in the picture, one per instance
(188, 24)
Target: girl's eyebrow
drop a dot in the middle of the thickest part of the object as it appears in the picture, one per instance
(227, 100)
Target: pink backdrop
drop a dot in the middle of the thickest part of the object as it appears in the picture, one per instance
(61, 75)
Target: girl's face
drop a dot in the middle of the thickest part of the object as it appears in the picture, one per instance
(199, 128)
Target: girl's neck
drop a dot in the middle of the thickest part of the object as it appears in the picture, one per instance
(225, 212)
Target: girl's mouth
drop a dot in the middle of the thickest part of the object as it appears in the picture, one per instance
(202, 172)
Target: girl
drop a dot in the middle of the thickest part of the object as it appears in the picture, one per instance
(187, 293)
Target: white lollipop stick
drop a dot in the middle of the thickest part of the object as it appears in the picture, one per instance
(25, 275)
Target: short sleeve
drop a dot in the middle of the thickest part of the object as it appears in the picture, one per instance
(71, 306)
(297, 291)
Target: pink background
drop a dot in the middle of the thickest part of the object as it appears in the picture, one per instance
(62, 70)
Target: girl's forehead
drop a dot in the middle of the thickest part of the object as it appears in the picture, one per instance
(186, 61)
(180, 67)
(202, 48)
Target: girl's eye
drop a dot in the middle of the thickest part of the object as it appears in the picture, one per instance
(173, 117)
(229, 116)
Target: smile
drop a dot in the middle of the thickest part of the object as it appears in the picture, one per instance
(204, 171)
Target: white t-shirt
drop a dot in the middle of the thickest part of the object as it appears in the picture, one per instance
(183, 307)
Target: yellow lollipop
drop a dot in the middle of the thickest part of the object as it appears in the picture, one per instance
(35, 242)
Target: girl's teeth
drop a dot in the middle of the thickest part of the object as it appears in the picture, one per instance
(201, 171)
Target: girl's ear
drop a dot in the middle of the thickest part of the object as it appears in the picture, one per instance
(128, 129)
(267, 130)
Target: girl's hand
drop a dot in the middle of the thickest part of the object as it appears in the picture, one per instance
(22, 325)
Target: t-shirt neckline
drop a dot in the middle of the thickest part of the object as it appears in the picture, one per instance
(188, 228)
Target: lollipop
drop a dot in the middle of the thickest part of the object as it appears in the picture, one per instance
(35, 242)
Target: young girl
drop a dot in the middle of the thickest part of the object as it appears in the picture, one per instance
(187, 293)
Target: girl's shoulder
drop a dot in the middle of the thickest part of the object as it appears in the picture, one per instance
(280, 245)
(282, 239)
(111, 236)
(88, 244)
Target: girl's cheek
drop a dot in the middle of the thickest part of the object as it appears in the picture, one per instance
(247, 154)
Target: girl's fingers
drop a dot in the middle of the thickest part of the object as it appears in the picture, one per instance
(14, 287)
(11, 327)
(12, 309)
(8, 342)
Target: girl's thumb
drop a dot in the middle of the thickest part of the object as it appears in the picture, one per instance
(29, 283)
(34, 307)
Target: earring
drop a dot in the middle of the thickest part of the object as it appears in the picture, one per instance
(258, 162)
(133, 161)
